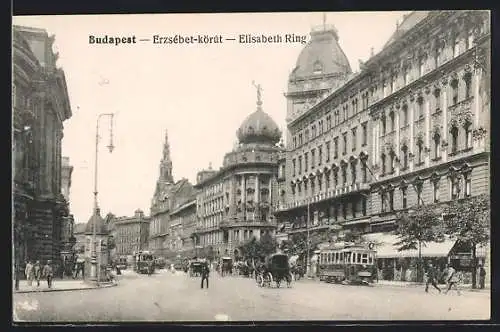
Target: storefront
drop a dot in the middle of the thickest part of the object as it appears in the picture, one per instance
(395, 265)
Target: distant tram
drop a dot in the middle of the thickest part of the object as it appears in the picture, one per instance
(141, 261)
(347, 263)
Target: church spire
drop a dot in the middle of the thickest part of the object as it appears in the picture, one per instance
(166, 162)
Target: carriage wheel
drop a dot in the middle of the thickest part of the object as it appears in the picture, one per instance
(269, 279)
(260, 280)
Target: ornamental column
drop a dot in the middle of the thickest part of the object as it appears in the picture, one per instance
(243, 196)
(477, 105)
(444, 93)
(427, 126)
(398, 139)
(374, 142)
(411, 107)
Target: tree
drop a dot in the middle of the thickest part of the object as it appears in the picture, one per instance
(468, 221)
(417, 227)
(259, 248)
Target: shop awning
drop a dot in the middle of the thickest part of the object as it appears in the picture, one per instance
(386, 248)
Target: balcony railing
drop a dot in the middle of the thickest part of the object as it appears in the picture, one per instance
(333, 193)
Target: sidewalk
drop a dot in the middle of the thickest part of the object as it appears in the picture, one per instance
(60, 285)
(407, 284)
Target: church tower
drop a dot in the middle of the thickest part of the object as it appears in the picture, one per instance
(166, 163)
(166, 180)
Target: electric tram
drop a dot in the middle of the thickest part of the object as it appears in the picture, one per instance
(347, 263)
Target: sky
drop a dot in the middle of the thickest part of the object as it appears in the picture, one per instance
(199, 93)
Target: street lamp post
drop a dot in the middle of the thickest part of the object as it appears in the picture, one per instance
(308, 259)
(95, 272)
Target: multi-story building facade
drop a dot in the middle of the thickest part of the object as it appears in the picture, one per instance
(80, 238)
(183, 228)
(327, 141)
(67, 236)
(131, 234)
(410, 128)
(166, 195)
(237, 202)
(40, 106)
(431, 115)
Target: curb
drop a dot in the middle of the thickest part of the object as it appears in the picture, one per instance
(65, 289)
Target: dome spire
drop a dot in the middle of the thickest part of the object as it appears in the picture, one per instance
(259, 95)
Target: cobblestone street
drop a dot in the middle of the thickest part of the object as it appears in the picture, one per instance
(167, 297)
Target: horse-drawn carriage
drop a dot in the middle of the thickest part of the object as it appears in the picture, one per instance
(275, 269)
(195, 268)
(226, 266)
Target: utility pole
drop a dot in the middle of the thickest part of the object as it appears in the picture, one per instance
(308, 260)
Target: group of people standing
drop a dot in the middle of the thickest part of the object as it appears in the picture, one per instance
(35, 272)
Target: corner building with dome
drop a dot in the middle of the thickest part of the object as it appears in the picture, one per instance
(237, 202)
(410, 128)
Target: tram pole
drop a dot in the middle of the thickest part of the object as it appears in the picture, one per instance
(308, 260)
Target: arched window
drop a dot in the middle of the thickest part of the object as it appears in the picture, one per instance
(468, 85)
(382, 158)
(317, 68)
(404, 149)
(437, 139)
(336, 177)
(392, 155)
(420, 105)
(468, 135)
(454, 139)
(353, 172)
(435, 190)
(405, 115)
(470, 38)
(456, 46)
(454, 92)
(393, 125)
(344, 175)
(420, 151)
(383, 124)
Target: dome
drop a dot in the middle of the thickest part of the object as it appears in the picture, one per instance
(259, 127)
(321, 56)
(101, 228)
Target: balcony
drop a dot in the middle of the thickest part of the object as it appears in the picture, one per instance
(333, 193)
(461, 108)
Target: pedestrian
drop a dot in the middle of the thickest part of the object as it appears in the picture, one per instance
(431, 278)
(37, 272)
(48, 273)
(482, 277)
(150, 267)
(451, 279)
(205, 272)
(28, 271)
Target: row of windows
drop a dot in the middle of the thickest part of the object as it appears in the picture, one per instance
(387, 197)
(214, 189)
(389, 161)
(390, 126)
(304, 160)
(389, 86)
(328, 183)
(346, 258)
(425, 64)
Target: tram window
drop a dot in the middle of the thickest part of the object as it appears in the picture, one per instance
(336, 257)
(329, 257)
(341, 257)
(364, 258)
(358, 258)
(370, 259)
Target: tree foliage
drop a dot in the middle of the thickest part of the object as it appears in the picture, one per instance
(258, 248)
(419, 226)
(469, 220)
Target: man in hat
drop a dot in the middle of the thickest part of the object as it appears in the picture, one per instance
(48, 273)
(431, 278)
(205, 272)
